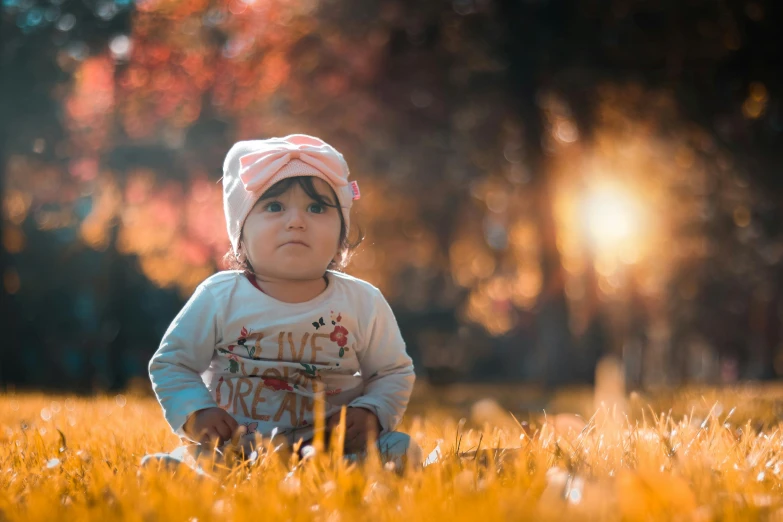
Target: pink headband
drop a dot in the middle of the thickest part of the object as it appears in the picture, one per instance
(252, 167)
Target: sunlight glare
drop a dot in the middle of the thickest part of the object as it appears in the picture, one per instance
(612, 217)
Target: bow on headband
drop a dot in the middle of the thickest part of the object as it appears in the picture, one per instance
(257, 168)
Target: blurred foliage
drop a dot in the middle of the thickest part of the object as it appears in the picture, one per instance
(543, 182)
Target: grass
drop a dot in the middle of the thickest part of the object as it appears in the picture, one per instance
(686, 455)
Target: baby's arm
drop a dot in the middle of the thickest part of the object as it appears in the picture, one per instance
(184, 354)
(386, 368)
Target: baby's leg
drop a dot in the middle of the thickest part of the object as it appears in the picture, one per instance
(204, 459)
(192, 456)
(396, 447)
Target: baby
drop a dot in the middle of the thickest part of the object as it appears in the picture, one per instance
(253, 346)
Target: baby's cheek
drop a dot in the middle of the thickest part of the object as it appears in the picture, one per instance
(327, 246)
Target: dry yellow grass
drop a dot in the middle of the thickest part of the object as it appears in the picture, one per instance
(69, 458)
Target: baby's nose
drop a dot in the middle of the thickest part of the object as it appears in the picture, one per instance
(296, 219)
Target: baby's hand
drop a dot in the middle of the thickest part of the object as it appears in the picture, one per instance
(359, 423)
(209, 425)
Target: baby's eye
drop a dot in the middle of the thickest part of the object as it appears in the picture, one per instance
(316, 208)
(274, 207)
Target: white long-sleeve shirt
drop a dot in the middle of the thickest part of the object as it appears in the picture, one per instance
(260, 359)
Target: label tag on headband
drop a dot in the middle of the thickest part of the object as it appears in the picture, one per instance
(355, 190)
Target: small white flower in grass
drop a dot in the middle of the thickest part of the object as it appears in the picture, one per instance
(465, 481)
(53, 463)
(376, 492)
(329, 487)
(219, 507)
(290, 485)
(308, 452)
(575, 493)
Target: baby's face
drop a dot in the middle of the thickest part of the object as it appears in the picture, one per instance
(291, 236)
